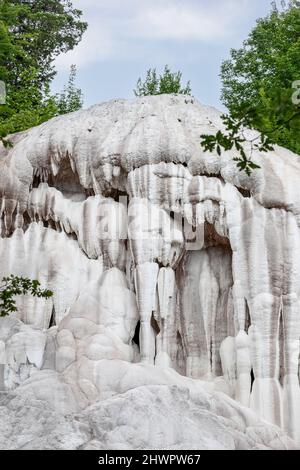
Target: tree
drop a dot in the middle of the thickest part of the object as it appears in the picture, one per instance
(44, 29)
(261, 88)
(13, 286)
(166, 83)
(26, 105)
(32, 33)
(258, 78)
(71, 99)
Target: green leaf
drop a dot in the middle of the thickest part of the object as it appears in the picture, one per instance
(14, 286)
(166, 83)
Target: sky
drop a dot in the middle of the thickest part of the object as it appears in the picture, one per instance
(126, 37)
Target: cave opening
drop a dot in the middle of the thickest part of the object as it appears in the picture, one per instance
(213, 238)
(204, 278)
(67, 182)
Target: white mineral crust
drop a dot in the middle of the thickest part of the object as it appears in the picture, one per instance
(175, 319)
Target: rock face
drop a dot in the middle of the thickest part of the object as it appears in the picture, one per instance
(175, 320)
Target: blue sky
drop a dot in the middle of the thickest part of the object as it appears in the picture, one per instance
(126, 37)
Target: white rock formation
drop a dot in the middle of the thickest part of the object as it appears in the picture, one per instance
(175, 320)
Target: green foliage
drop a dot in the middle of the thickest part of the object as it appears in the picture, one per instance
(26, 105)
(13, 286)
(71, 98)
(167, 83)
(234, 138)
(43, 29)
(32, 34)
(260, 89)
(258, 78)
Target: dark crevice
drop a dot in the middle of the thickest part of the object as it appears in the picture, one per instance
(211, 354)
(185, 164)
(244, 192)
(180, 357)
(136, 338)
(36, 181)
(212, 175)
(155, 325)
(116, 194)
(89, 192)
(281, 348)
(212, 238)
(247, 317)
(27, 221)
(159, 263)
(51, 224)
(52, 319)
(156, 329)
(252, 379)
(73, 236)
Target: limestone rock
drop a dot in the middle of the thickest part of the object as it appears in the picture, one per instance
(176, 283)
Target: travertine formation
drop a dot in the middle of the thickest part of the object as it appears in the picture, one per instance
(176, 283)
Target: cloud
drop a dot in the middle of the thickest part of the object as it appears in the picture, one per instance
(190, 21)
(127, 28)
(96, 46)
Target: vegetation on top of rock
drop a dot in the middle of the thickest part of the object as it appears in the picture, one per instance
(166, 83)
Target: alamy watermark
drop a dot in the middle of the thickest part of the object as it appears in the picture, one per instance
(2, 92)
(296, 94)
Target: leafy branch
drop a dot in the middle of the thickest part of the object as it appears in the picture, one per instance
(235, 138)
(13, 286)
